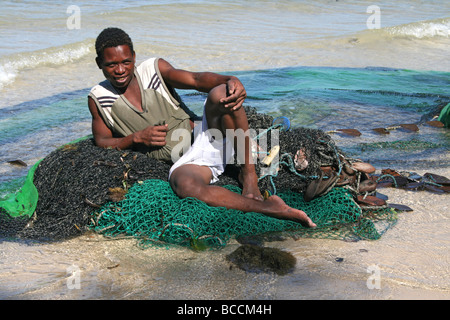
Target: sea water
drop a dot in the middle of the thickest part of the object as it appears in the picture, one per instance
(323, 64)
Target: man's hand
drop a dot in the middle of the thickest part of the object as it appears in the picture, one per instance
(236, 94)
(153, 136)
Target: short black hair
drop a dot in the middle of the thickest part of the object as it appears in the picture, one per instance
(111, 37)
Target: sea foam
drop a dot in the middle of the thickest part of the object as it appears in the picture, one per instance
(11, 66)
(422, 29)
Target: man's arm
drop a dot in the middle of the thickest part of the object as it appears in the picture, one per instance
(204, 82)
(153, 136)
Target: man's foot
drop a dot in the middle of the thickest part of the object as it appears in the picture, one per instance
(250, 188)
(281, 210)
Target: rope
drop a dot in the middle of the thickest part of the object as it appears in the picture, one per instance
(387, 176)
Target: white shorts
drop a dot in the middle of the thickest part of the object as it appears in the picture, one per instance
(210, 149)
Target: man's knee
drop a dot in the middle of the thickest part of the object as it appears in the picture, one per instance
(215, 95)
(185, 186)
(217, 115)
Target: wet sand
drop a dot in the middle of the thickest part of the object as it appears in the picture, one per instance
(410, 261)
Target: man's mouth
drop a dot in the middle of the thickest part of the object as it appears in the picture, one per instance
(121, 79)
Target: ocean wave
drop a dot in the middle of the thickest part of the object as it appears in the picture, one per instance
(432, 31)
(11, 66)
(422, 29)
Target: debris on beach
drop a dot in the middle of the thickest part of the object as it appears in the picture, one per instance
(18, 163)
(252, 258)
(412, 181)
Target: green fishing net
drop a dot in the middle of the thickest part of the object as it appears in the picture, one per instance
(444, 116)
(152, 213)
(24, 201)
(411, 145)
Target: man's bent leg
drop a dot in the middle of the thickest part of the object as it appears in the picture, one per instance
(221, 118)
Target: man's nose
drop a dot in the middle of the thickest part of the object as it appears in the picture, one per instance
(120, 68)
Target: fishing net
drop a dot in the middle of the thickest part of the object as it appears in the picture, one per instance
(23, 203)
(411, 145)
(444, 116)
(118, 194)
(152, 213)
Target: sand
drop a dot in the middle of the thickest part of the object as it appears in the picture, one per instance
(410, 261)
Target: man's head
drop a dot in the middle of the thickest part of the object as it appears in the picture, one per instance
(115, 56)
(111, 37)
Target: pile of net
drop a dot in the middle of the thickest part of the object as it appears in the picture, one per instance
(82, 188)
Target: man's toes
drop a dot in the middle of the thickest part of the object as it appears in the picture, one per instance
(254, 197)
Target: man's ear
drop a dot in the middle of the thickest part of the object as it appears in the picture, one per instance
(99, 62)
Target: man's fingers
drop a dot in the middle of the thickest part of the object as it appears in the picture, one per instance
(231, 88)
(155, 135)
(235, 91)
(236, 104)
(158, 143)
(234, 98)
(161, 128)
(159, 131)
(159, 134)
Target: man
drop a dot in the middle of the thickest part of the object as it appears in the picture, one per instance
(138, 108)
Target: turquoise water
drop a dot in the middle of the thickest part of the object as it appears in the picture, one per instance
(319, 97)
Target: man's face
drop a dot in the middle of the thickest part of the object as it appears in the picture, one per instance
(118, 65)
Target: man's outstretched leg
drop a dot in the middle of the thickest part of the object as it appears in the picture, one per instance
(192, 180)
